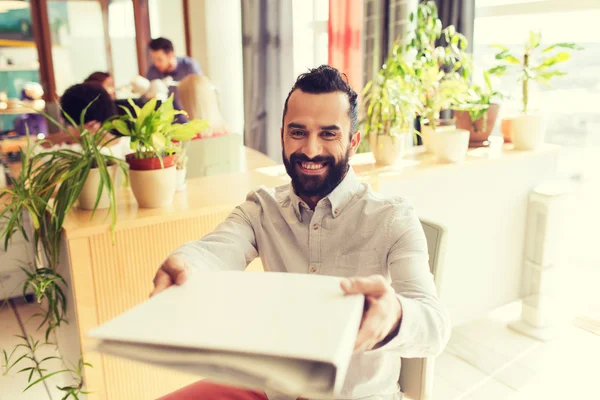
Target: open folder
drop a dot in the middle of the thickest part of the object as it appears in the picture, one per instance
(289, 333)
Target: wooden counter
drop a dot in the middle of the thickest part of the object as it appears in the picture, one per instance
(482, 202)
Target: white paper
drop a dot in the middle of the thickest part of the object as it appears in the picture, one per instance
(291, 333)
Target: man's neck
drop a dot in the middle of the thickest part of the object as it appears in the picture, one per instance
(311, 201)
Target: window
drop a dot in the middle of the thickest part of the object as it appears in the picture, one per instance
(571, 103)
(78, 46)
(121, 29)
(310, 35)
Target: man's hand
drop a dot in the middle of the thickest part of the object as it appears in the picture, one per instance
(382, 313)
(173, 271)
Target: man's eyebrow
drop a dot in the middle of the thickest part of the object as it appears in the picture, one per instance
(295, 125)
(331, 128)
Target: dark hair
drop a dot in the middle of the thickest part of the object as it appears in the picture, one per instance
(161, 43)
(77, 97)
(326, 79)
(97, 77)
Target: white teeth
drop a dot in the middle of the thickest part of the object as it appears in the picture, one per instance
(307, 165)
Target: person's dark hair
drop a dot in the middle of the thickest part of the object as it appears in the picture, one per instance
(77, 97)
(326, 79)
(97, 77)
(161, 43)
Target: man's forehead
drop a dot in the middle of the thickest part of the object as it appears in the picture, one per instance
(332, 107)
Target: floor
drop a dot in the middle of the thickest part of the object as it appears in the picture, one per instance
(485, 360)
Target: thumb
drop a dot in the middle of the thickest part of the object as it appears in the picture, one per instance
(374, 285)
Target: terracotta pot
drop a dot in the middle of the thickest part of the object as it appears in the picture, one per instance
(507, 130)
(147, 164)
(479, 133)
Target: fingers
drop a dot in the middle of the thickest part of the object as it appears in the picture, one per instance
(374, 285)
(177, 270)
(172, 271)
(374, 327)
(162, 280)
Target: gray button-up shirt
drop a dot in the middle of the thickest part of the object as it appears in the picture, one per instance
(351, 232)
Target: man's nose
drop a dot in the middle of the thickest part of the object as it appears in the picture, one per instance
(312, 146)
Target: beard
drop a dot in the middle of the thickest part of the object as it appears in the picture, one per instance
(316, 186)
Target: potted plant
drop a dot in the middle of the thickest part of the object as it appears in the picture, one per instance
(155, 140)
(529, 127)
(390, 102)
(41, 196)
(93, 163)
(479, 112)
(442, 72)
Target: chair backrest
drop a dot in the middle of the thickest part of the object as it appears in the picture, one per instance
(416, 374)
(214, 155)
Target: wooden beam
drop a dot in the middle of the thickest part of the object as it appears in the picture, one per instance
(43, 41)
(142, 34)
(107, 45)
(186, 27)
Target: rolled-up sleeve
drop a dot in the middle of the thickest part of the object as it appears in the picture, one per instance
(425, 327)
(230, 247)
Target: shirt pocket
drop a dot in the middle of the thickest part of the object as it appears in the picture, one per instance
(363, 263)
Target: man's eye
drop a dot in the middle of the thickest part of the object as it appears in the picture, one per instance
(297, 133)
(328, 134)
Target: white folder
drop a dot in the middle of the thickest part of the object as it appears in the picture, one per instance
(283, 332)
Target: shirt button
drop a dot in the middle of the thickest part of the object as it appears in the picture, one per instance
(313, 269)
(316, 226)
(336, 211)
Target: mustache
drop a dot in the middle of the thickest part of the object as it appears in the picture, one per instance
(301, 157)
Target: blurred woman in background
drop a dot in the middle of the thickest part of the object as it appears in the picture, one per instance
(103, 79)
(199, 99)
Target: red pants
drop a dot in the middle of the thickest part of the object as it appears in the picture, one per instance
(204, 390)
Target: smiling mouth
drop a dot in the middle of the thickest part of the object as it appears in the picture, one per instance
(312, 168)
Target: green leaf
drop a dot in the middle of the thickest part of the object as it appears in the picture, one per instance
(534, 40)
(146, 112)
(512, 59)
(564, 45)
(45, 377)
(555, 59)
(501, 47)
(488, 81)
(121, 127)
(159, 141)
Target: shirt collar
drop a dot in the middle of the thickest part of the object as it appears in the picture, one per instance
(338, 199)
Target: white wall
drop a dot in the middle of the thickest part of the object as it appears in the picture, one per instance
(166, 20)
(216, 42)
(82, 48)
(122, 42)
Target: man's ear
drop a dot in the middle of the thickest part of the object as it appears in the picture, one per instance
(354, 142)
(281, 131)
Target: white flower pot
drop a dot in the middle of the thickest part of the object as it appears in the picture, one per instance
(154, 188)
(387, 149)
(528, 131)
(89, 192)
(181, 184)
(450, 146)
(427, 133)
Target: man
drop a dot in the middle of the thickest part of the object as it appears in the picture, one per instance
(327, 222)
(168, 66)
